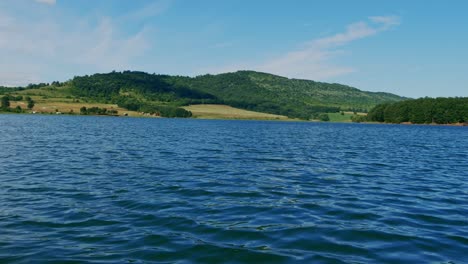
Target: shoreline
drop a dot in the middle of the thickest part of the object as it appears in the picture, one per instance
(240, 119)
(414, 124)
(160, 117)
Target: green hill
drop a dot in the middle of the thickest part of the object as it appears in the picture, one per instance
(262, 92)
(279, 95)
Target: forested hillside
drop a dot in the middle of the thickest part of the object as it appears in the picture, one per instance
(262, 92)
(244, 89)
(422, 111)
(319, 93)
(138, 91)
(279, 95)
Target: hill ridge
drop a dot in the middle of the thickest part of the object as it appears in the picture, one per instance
(246, 89)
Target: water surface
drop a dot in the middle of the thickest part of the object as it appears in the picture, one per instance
(103, 189)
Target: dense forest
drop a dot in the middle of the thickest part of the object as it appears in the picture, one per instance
(138, 91)
(422, 111)
(164, 94)
(244, 89)
(6, 90)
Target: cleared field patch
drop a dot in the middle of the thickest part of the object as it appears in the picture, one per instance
(210, 111)
(48, 91)
(50, 106)
(338, 117)
(345, 117)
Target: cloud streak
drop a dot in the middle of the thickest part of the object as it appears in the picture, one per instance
(313, 60)
(47, 2)
(31, 50)
(150, 10)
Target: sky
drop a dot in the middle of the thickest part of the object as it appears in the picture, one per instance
(411, 48)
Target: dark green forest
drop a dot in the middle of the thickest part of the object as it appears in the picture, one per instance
(138, 91)
(6, 90)
(422, 111)
(164, 94)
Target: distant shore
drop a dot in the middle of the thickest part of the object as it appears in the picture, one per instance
(414, 124)
(219, 116)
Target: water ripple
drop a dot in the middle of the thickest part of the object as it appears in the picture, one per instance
(87, 189)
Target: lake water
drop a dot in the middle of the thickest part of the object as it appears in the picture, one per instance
(103, 189)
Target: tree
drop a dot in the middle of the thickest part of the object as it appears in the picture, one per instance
(5, 102)
(324, 117)
(30, 104)
(359, 118)
(83, 110)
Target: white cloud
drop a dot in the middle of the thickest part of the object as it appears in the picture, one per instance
(353, 32)
(48, 2)
(150, 10)
(32, 49)
(387, 21)
(104, 47)
(313, 60)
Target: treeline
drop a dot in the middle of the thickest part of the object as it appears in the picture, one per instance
(164, 94)
(153, 87)
(422, 111)
(10, 97)
(97, 111)
(135, 104)
(7, 90)
(5, 103)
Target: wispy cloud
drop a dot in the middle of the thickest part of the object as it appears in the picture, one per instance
(29, 49)
(104, 47)
(313, 60)
(101, 45)
(150, 10)
(386, 21)
(48, 2)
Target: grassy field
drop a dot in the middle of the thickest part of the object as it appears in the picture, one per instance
(338, 117)
(206, 111)
(209, 111)
(52, 105)
(52, 100)
(346, 117)
(67, 105)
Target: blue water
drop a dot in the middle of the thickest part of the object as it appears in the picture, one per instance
(103, 189)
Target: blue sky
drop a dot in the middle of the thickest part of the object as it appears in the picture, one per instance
(412, 48)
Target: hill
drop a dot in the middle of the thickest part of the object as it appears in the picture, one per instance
(249, 90)
(279, 95)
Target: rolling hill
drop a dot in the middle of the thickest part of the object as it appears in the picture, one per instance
(249, 90)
